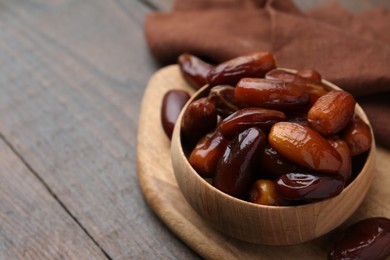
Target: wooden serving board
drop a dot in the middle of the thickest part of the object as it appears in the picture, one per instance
(160, 189)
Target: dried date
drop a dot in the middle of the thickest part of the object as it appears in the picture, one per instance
(172, 104)
(251, 65)
(357, 134)
(332, 112)
(223, 98)
(305, 147)
(272, 165)
(268, 93)
(207, 152)
(234, 171)
(368, 239)
(194, 70)
(309, 186)
(263, 192)
(199, 119)
(250, 117)
(346, 160)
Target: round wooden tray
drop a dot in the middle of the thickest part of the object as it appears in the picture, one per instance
(160, 189)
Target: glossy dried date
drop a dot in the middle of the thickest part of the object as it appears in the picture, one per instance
(357, 134)
(234, 171)
(300, 119)
(286, 76)
(251, 65)
(311, 75)
(199, 119)
(271, 164)
(368, 239)
(207, 152)
(268, 93)
(309, 186)
(173, 102)
(332, 112)
(346, 160)
(194, 70)
(250, 117)
(263, 192)
(304, 146)
(223, 98)
(309, 85)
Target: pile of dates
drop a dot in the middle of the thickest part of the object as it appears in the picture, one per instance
(267, 135)
(275, 137)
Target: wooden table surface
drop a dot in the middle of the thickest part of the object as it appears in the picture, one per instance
(72, 77)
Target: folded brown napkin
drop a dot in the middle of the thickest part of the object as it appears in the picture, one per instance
(351, 50)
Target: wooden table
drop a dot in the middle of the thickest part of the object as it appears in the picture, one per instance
(72, 77)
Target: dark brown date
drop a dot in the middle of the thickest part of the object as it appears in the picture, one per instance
(268, 93)
(263, 192)
(311, 75)
(234, 171)
(199, 119)
(311, 85)
(250, 117)
(300, 119)
(173, 101)
(309, 186)
(368, 239)
(331, 112)
(289, 77)
(272, 165)
(207, 152)
(223, 98)
(231, 71)
(194, 70)
(357, 134)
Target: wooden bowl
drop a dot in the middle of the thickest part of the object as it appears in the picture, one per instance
(261, 224)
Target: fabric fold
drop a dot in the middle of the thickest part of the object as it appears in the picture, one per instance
(350, 50)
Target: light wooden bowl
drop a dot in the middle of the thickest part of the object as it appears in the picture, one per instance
(270, 225)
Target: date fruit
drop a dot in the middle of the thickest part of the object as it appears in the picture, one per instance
(271, 164)
(269, 93)
(368, 239)
(251, 65)
(357, 134)
(172, 104)
(263, 192)
(250, 117)
(311, 75)
(234, 171)
(311, 83)
(222, 97)
(199, 119)
(332, 112)
(346, 160)
(309, 186)
(207, 152)
(194, 70)
(304, 146)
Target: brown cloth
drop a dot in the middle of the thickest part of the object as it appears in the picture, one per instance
(350, 50)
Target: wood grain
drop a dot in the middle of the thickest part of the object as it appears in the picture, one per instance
(72, 76)
(72, 79)
(32, 223)
(163, 195)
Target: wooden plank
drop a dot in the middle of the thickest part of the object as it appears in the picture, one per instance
(161, 5)
(72, 78)
(33, 225)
